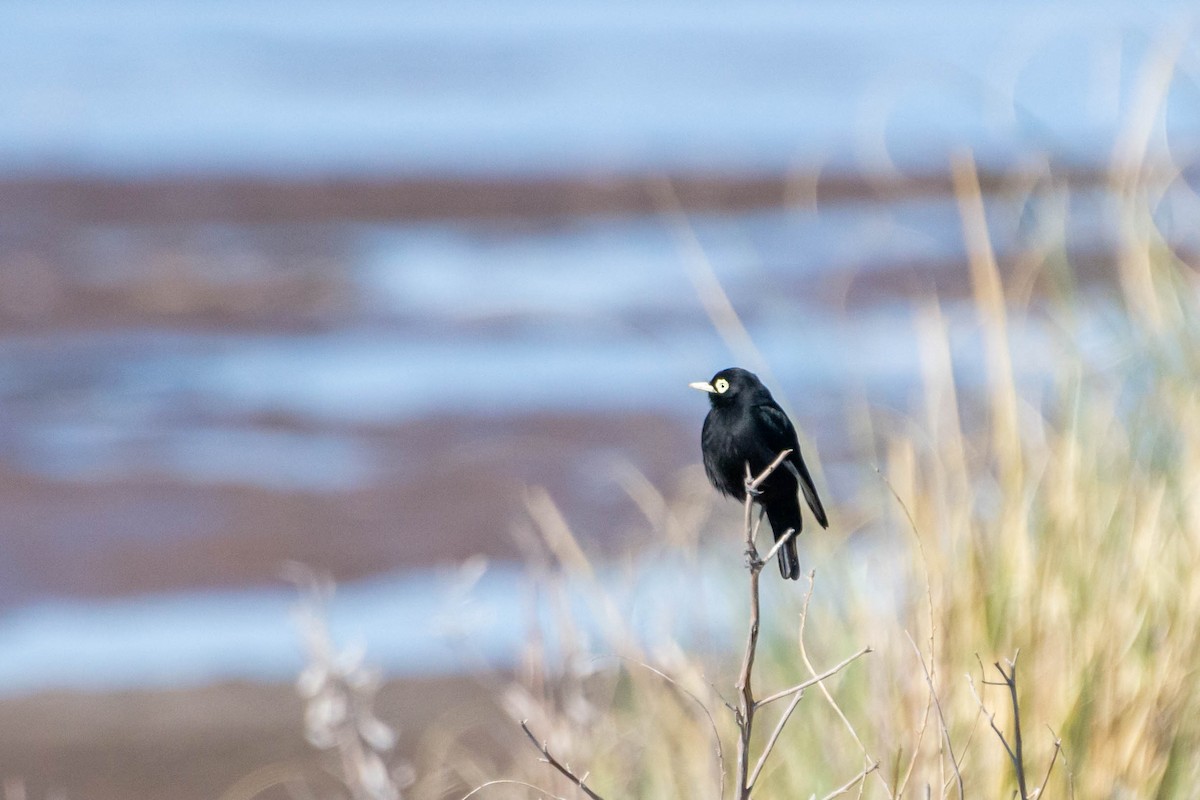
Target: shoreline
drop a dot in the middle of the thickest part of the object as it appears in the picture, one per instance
(216, 197)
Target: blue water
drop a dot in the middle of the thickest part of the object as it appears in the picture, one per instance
(412, 623)
(122, 422)
(132, 86)
(452, 620)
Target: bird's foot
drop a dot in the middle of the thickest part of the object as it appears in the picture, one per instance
(750, 490)
(753, 562)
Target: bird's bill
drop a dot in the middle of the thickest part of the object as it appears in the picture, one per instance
(703, 386)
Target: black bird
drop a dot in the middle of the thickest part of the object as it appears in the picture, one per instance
(746, 425)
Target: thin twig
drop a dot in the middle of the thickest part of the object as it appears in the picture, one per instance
(1066, 765)
(901, 784)
(766, 473)
(780, 542)
(941, 717)
(812, 670)
(1015, 750)
(1053, 758)
(991, 715)
(964, 752)
(554, 762)
(815, 680)
(848, 785)
(762, 759)
(711, 722)
(483, 786)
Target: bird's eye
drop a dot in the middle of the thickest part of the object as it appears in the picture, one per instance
(721, 385)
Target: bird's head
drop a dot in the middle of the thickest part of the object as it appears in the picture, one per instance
(729, 386)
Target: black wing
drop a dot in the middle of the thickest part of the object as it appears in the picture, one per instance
(779, 435)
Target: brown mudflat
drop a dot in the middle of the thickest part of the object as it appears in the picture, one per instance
(226, 742)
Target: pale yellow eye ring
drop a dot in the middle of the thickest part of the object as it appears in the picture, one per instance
(721, 385)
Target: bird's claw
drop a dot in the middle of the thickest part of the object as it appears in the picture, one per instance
(753, 492)
(753, 562)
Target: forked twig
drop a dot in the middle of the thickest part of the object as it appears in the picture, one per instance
(558, 765)
(1016, 750)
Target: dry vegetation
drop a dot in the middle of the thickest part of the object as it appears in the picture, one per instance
(1032, 550)
(1062, 526)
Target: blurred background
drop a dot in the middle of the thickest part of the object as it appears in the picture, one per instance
(337, 283)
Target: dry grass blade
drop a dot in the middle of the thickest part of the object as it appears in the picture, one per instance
(704, 279)
(937, 704)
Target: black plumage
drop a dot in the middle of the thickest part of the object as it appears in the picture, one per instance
(746, 425)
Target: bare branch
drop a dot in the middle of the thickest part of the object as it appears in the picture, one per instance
(554, 762)
(747, 706)
(744, 713)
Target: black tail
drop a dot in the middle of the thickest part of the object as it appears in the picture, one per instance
(784, 515)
